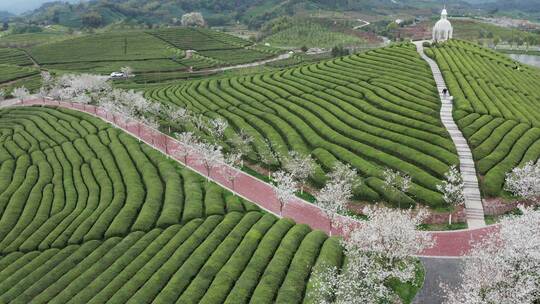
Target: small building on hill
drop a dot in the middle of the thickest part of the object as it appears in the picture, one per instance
(443, 29)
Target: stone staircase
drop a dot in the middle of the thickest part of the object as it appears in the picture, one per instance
(473, 200)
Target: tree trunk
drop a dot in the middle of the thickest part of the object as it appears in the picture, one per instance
(450, 219)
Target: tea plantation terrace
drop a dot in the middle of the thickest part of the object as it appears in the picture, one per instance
(374, 110)
(89, 214)
(497, 106)
(148, 52)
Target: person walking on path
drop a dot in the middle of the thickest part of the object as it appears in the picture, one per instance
(444, 92)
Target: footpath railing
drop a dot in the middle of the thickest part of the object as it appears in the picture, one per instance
(448, 244)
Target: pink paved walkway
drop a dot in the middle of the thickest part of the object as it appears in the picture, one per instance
(449, 244)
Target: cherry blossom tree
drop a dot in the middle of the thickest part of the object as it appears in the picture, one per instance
(193, 19)
(504, 267)
(396, 182)
(335, 195)
(216, 127)
(42, 93)
(47, 80)
(525, 181)
(176, 115)
(300, 167)
(452, 189)
(188, 141)
(20, 93)
(379, 250)
(199, 121)
(209, 155)
(233, 162)
(285, 187)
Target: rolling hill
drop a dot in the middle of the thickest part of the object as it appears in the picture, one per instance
(374, 110)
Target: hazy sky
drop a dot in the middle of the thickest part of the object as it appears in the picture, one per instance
(21, 6)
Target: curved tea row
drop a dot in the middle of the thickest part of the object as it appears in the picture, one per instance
(497, 108)
(89, 213)
(374, 110)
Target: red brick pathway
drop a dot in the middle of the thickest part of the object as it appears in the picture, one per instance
(449, 244)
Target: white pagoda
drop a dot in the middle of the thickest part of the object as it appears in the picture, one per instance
(443, 30)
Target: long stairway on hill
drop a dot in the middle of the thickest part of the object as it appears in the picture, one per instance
(473, 200)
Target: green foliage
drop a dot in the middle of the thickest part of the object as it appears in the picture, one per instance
(89, 214)
(373, 110)
(497, 108)
(309, 34)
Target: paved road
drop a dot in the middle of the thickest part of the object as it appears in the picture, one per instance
(438, 270)
(451, 243)
(248, 65)
(473, 200)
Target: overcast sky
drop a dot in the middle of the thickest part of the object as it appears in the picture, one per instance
(21, 6)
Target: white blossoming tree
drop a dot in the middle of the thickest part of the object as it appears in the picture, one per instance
(209, 155)
(335, 195)
(503, 268)
(21, 93)
(216, 127)
(395, 183)
(177, 116)
(285, 187)
(300, 167)
(525, 181)
(233, 162)
(379, 250)
(452, 189)
(188, 141)
(199, 121)
(193, 19)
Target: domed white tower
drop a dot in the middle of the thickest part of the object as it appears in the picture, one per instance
(443, 30)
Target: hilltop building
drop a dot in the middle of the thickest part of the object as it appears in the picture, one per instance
(443, 29)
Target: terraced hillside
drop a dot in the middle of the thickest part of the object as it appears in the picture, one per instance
(16, 70)
(224, 48)
(88, 214)
(497, 108)
(14, 57)
(374, 110)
